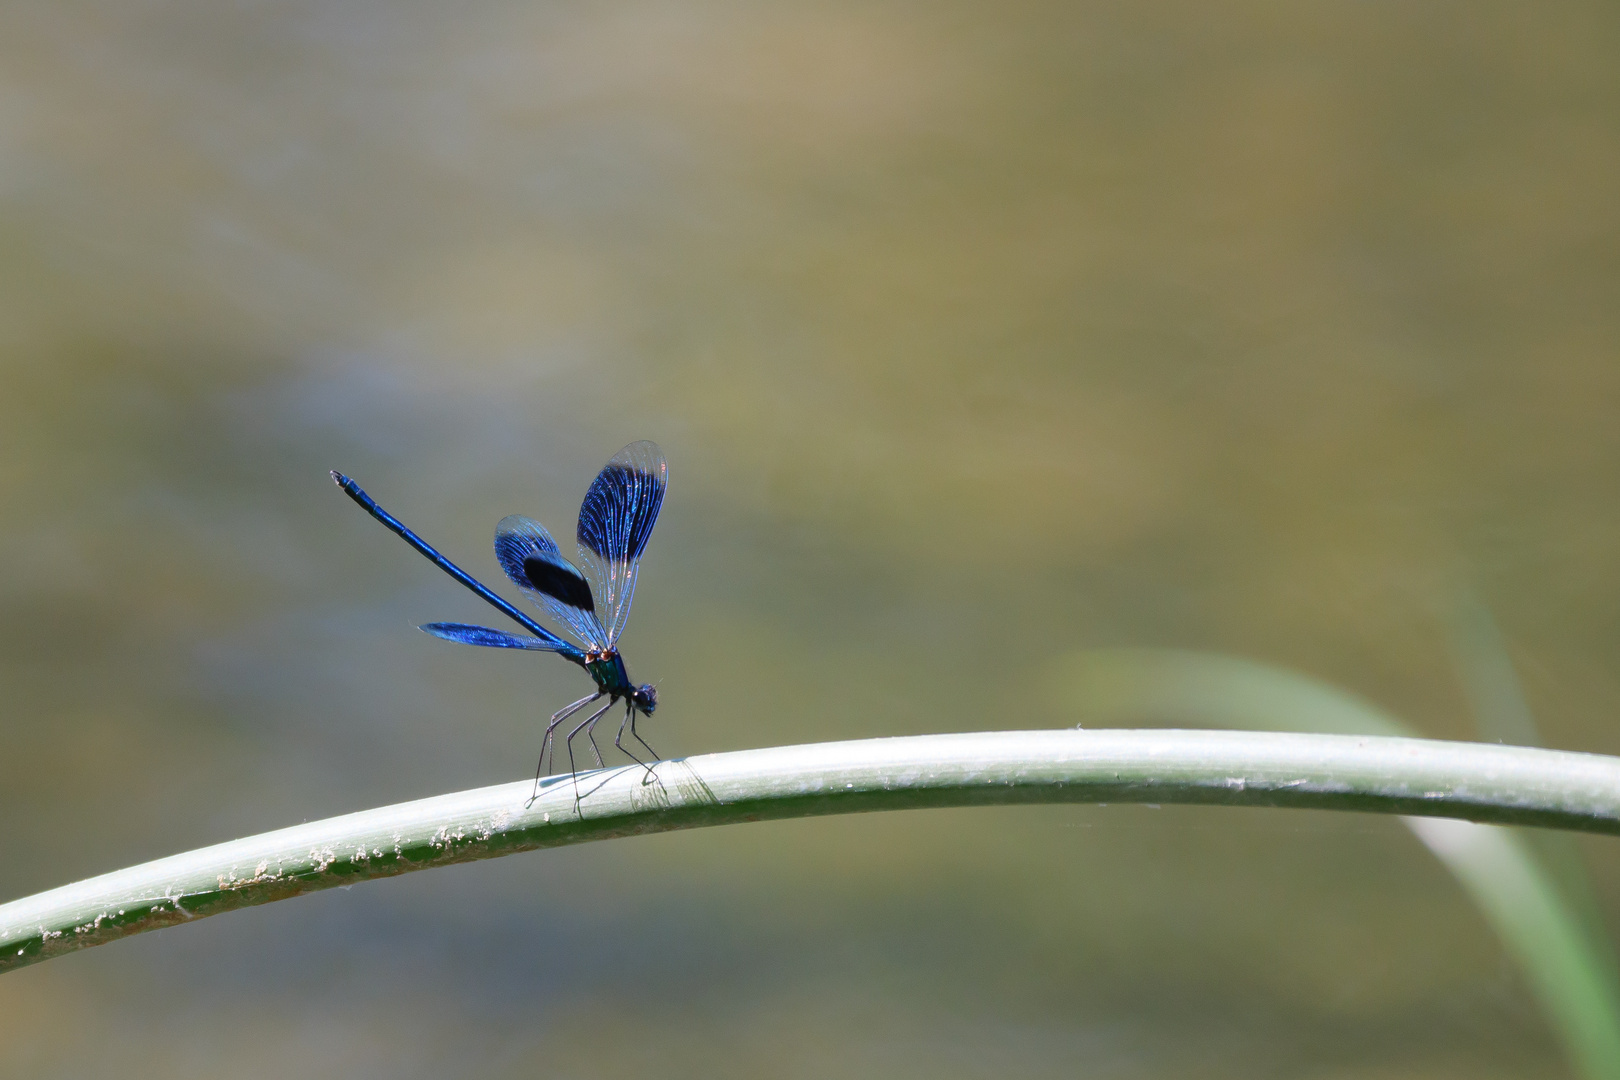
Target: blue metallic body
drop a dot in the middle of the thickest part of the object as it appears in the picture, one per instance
(616, 520)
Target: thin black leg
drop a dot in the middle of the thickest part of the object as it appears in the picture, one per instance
(556, 718)
(590, 734)
(634, 734)
(618, 740)
(569, 742)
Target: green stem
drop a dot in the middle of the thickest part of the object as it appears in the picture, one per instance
(1479, 782)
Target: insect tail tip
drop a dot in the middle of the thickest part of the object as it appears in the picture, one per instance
(338, 478)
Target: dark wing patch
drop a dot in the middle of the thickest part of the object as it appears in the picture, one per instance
(530, 558)
(559, 579)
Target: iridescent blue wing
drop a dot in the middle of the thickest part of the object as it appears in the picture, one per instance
(530, 558)
(494, 639)
(616, 520)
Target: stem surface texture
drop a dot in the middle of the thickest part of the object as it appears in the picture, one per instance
(1475, 781)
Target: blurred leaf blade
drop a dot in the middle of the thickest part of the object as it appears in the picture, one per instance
(1570, 971)
(1548, 926)
(1501, 711)
(1502, 714)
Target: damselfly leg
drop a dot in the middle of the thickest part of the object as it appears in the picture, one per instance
(636, 735)
(588, 726)
(618, 740)
(557, 718)
(629, 721)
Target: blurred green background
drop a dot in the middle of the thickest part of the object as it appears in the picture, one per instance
(976, 336)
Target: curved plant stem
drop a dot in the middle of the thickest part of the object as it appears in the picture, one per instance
(1478, 782)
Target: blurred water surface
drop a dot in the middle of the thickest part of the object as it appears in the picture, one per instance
(976, 335)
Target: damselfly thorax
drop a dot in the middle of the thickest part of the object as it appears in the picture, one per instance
(606, 666)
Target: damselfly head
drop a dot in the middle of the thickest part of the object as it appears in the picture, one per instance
(645, 698)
